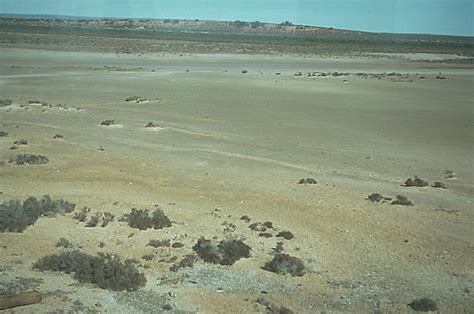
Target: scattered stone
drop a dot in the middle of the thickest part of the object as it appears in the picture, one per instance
(423, 305)
(417, 182)
(402, 200)
(27, 159)
(287, 235)
(285, 264)
(439, 185)
(307, 181)
(272, 308)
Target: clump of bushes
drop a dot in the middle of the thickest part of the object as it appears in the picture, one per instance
(105, 270)
(423, 305)
(103, 218)
(21, 141)
(16, 216)
(377, 198)
(285, 264)
(402, 200)
(417, 182)
(187, 261)
(28, 159)
(439, 185)
(5, 102)
(287, 235)
(159, 243)
(141, 219)
(107, 122)
(307, 181)
(226, 252)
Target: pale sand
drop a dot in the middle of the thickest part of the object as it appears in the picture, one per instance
(240, 143)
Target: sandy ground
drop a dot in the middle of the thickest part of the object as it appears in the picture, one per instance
(229, 144)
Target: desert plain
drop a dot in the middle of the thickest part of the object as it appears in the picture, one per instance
(233, 134)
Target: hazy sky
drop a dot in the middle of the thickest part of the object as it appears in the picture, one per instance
(407, 16)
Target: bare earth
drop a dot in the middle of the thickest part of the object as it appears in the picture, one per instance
(229, 144)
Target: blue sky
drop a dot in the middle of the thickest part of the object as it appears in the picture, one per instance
(453, 17)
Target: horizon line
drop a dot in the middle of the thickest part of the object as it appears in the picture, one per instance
(66, 16)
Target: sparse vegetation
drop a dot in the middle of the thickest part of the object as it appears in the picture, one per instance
(159, 243)
(5, 102)
(187, 261)
(107, 122)
(307, 181)
(285, 264)
(377, 198)
(105, 270)
(28, 159)
(287, 235)
(423, 305)
(417, 182)
(226, 252)
(16, 216)
(402, 200)
(439, 185)
(141, 219)
(21, 141)
(81, 215)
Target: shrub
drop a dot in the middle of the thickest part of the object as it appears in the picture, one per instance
(27, 159)
(150, 125)
(265, 235)
(418, 182)
(187, 261)
(245, 218)
(159, 243)
(307, 181)
(105, 271)
(402, 200)
(226, 252)
(141, 219)
(107, 122)
(64, 243)
(285, 264)
(21, 141)
(287, 235)
(3, 133)
(16, 216)
(58, 136)
(5, 102)
(439, 185)
(423, 305)
(257, 226)
(94, 220)
(82, 214)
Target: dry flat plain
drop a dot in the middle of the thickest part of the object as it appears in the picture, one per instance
(227, 143)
